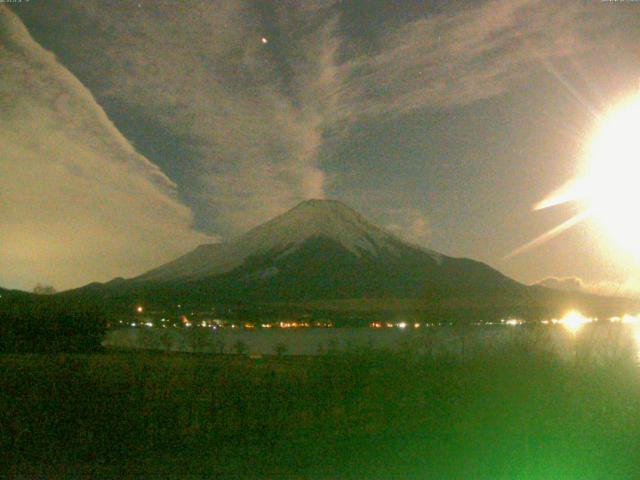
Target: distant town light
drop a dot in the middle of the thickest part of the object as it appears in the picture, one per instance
(513, 322)
(139, 309)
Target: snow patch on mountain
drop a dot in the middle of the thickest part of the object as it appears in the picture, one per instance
(309, 219)
(320, 218)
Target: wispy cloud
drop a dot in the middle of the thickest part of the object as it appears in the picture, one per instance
(623, 288)
(411, 225)
(251, 111)
(569, 284)
(462, 56)
(77, 203)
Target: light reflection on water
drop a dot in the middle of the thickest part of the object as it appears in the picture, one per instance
(632, 327)
(599, 339)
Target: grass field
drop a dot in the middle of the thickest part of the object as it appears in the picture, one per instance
(515, 412)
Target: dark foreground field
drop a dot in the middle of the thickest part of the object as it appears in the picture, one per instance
(517, 412)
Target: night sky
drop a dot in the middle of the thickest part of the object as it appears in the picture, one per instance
(132, 131)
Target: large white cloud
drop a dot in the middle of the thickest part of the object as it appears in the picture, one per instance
(77, 202)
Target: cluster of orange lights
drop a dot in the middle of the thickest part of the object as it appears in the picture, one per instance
(380, 325)
(218, 323)
(293, 325)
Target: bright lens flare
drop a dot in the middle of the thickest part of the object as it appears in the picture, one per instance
(574, 321)
(613, 179)
(608, 188)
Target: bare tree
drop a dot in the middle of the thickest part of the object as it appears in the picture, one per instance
(240, 347)
(41, 289)
(220, 345)
(280, 349)
(197, 339)
(167, 341)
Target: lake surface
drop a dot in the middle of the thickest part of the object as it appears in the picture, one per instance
(602, 340)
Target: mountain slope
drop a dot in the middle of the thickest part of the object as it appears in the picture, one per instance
(324, 253)
(10, 294)
(323, 249)
(310, 219)
(322, 268)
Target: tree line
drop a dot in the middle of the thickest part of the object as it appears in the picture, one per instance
(36, 323)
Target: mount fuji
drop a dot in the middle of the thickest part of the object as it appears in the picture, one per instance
(324, 223)
(323, 254)
(321, 250)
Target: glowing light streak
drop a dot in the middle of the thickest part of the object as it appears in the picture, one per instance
(608, 187)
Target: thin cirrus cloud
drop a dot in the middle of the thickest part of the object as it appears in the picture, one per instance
(410, 225)
(465, 55)
(77, 203)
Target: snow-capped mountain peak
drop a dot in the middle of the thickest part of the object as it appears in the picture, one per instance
(310, 219)
(319, 218)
